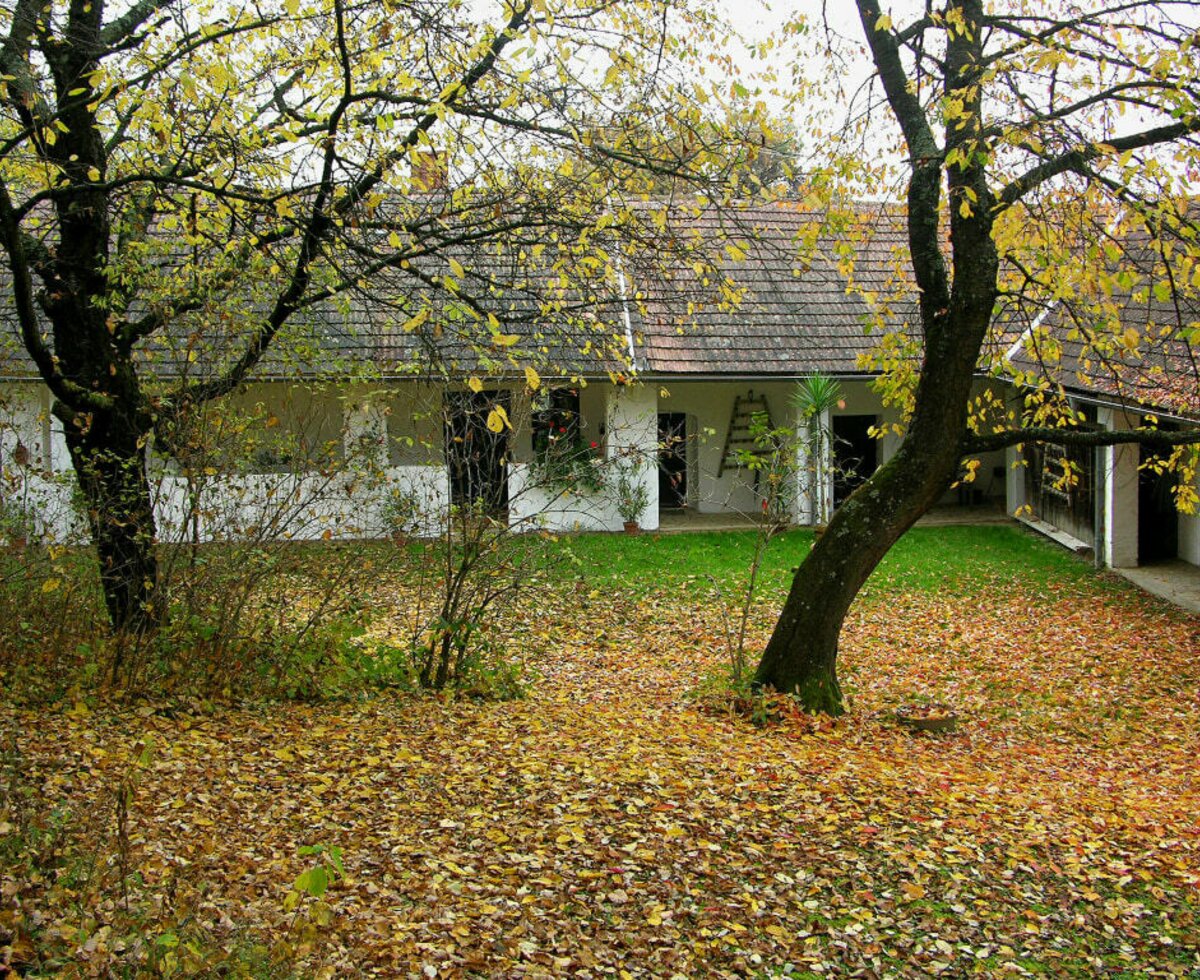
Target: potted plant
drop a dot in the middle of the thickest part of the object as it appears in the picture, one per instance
(633, 496)
(401, 514)
(15, 526)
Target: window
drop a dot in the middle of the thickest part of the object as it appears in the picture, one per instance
(557, 422)
(564, 458)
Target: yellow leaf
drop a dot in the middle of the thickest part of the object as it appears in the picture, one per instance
(497, 420)
(416, 320)
(284, 755)
(532, 379)
(50, 585)
(475, 385)
(457, 269)
(505, 339)
(884, 23)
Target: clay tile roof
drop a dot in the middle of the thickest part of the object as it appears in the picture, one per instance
(800, 298)
(1158, 368)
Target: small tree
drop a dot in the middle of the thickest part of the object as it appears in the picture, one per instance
(631, 494)
(814, 398)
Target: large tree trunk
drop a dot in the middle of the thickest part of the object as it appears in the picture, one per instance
(955, 307)
(110, 463)
(801, 657)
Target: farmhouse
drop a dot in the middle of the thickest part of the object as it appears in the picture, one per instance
(684, 387)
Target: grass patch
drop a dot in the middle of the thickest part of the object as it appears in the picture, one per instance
(956, 559)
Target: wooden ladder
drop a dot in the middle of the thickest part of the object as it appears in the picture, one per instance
(738, 440)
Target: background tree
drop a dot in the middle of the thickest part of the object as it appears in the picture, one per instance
(185, 189)
(1038, 139)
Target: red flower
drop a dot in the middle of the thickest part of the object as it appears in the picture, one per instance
(595, 445)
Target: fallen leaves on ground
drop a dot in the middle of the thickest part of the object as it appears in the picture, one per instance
(608, 826)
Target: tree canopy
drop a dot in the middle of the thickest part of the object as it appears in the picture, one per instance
(182, 184)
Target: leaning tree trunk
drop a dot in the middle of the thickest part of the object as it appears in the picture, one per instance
(955, 309)
(110, 463)
(801, 657)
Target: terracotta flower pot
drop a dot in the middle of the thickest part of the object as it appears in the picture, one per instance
(632, 527)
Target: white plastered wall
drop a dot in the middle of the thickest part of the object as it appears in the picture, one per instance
(1189, 536)
(1120, 499)
(631, 426)
(36, 478)
(345, 503)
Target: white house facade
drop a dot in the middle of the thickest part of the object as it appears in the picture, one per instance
(704, 418)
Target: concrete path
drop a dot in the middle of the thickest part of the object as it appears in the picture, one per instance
(679, 521)
(1176, 581)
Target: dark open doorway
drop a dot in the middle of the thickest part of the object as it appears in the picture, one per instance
(1158, 519)
(477, 456)
(672, 459)
(855, 454)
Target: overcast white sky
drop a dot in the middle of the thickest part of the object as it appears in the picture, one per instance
(758, 17)
(757, 20)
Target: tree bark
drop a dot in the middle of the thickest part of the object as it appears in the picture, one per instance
(109, 460)
(956, 298)
(801, 656)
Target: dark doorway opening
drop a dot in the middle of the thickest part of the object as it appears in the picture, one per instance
(1158, 519)
(672, 460)
(477, 455)
(855, 454)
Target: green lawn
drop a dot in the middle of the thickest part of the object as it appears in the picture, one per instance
(957, 559)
